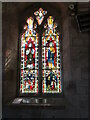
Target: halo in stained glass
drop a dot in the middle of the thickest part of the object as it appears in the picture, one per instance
(29, 59)
(51, 61)
(40, 15)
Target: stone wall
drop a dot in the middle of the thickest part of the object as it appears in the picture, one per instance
(75, 64)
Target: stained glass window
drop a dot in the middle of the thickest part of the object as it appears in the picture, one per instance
(51, 62)
(51, 56)
(29, 59)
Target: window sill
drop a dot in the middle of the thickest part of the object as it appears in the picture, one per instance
(38, 102)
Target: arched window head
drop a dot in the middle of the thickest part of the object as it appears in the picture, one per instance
(50, 22)
(30, 21)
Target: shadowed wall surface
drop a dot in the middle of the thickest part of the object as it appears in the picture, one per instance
(75, 63)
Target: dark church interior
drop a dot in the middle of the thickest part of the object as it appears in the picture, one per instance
(73, 21)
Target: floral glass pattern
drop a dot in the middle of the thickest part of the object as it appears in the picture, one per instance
(29, 59)
(40, 15)
(51, 61)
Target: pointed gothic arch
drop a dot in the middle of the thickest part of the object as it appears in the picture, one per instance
(43, 84)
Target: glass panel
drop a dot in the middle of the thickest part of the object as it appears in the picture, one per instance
(29, 59)
(51, 62)
(40, 15)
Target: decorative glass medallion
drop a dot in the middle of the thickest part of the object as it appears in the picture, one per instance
(40, 15)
